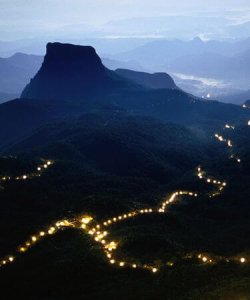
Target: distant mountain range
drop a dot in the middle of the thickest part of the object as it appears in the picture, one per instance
(213, 65)
(16, 71)
(170, 50)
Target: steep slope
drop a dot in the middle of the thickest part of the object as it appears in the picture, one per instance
(154, 81)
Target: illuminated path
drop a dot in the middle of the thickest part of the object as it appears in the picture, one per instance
(101, 234)
(37, 173)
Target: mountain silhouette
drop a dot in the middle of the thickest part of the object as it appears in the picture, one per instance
(71, 71)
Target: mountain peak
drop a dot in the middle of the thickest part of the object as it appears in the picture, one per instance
(69, 54)
(69, 72)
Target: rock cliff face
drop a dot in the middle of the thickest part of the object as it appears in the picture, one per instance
(71, 72)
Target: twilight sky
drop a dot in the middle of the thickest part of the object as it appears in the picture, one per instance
(27, 18)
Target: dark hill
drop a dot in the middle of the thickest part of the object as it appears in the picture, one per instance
(154, 81)
(71, 72)
(119, 145)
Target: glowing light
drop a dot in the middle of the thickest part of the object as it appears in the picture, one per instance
(51, 230)
(242, 260)
(87, 219)
(111, 246)
(229, 126)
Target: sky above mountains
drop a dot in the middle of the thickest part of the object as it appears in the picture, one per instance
(30, 18)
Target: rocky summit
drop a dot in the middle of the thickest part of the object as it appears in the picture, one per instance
(70, 72)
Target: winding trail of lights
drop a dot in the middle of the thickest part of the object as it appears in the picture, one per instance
(228, 142)
(219, 184)
(99, 233)
(37, 173)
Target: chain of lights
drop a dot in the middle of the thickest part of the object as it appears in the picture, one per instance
(219, 184)
(228, 142)
(37, 173)
(100, 234)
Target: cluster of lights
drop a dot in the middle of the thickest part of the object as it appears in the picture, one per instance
(39, 170)
(222, 139)
(228, 126)
(204, 258)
